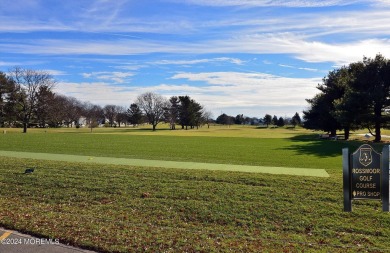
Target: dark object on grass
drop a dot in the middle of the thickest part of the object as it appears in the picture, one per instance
(145, 195)
(28, 171)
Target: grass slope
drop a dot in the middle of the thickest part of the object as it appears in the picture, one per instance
(138, 209)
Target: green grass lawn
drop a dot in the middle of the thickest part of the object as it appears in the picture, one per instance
(115, 208)
(280, 148)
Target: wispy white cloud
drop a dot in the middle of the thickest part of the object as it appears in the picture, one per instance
(285, 66)
(101, 93)
(88, 47)
(198, 61)
(100, 17)
(4, 63)
(309, 51)
(301, 68)
(309, 69)
(22, 62)
(251, 89)
(54, 72)
(252, 35)
(115, 76)
(130, 67)
(380, 3)
(278, 3)
(13, 25)
(111, 18)
(361, 34)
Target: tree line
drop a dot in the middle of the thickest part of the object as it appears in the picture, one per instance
(352, 97)
(267, 120)
(27, 100)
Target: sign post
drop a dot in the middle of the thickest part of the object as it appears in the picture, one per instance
(346, 181)
(385, 179)
(366, 176)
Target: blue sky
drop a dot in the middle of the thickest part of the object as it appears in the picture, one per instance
(247, 57)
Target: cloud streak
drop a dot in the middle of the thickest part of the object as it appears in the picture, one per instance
(301, 35)
(115, 76)
(199, 61)
(306, 50)
(274, 3)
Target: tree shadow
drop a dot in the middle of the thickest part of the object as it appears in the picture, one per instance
(151, 130)
(313, 145)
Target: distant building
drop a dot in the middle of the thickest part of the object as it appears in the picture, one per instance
(82, 122)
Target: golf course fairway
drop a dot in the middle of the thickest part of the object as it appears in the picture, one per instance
(168, 164)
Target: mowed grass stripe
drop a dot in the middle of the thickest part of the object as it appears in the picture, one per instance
(168, 164)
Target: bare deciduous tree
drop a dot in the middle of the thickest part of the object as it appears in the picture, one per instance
(94, 114)
(153, 106)
(110, 112)
(121, 117)
(74, 110)
(28, 83)
(207, 117)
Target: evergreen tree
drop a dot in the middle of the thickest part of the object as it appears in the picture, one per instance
(296, 119)
(267, 119)
(135, 114)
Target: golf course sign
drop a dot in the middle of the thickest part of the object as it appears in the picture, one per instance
(366, 176)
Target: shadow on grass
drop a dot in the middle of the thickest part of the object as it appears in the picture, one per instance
(151, 130)
(312, 145)
(116, 130)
